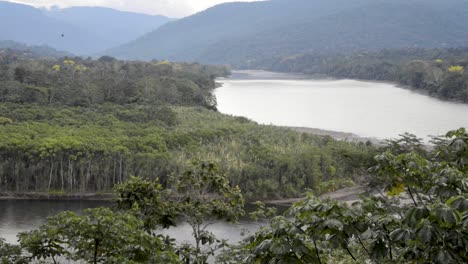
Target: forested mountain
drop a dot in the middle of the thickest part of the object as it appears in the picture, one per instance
(82, 31)
(239, 32)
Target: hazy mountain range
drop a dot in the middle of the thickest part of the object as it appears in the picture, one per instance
(242, 33)
(79, 30)
(239, 32)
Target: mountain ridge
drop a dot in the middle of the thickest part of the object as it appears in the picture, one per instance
(238, 32)
(79, 30)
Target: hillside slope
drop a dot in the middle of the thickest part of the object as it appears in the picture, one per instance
(119, 27)
(82, 31)
(240, 32)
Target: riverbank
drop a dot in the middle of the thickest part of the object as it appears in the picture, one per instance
(347, 195)
(337, 135)
(55, 196)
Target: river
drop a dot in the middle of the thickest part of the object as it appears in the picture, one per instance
(367, 109)
(23, 215)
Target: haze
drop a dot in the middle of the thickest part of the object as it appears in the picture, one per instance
(170, 8)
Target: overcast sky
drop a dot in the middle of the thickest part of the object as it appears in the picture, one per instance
(171, 8)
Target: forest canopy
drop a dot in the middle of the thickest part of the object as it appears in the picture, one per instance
(74, 125)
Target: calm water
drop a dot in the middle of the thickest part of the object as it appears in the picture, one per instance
(367, 109)
(24, 215)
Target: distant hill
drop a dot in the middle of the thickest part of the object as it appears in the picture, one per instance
(83, 30)
(36, 51)
(115, 27)
(237, 33)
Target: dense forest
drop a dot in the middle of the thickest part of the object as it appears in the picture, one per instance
(82, 125)
(420, 215)
(438, 72)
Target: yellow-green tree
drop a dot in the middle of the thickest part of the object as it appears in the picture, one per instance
(456, 69)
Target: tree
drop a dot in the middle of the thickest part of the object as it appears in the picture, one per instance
(99, 236)
(204, 195)
(20, 74)
(200, 196)
(456, 69)
(11, 253)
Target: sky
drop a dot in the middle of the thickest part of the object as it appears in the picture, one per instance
(170, 8)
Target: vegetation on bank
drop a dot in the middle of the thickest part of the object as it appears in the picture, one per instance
(439, 72)
(431, 228)
(77, 149)
(76, 125)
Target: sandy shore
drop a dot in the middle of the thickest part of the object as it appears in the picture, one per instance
(337, 135)
(348, 195)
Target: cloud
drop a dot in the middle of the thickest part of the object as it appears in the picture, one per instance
(171, 8)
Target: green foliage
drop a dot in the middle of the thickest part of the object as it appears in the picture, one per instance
(200, 195)
(425, 224)
(98, 236)
(79, 82)
(87, 130)
(151, 202)
(5, 121)
(427, 227)
(11, 253)
(90, 149)
(204, 194)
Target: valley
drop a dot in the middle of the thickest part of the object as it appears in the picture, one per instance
(263, 132)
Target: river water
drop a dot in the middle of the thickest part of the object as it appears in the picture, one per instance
(23, 215)
(367, 109)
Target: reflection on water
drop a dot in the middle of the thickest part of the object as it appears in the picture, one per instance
(23, 215)
(367, 109)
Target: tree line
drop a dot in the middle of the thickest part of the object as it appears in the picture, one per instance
(84, 82)
(76, 149)
(74, 125)
(438, 72)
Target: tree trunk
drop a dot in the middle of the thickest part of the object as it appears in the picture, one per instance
(61, 172)
(50, 173)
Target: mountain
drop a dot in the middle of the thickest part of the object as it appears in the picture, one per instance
(241, 32)
(83, 31)
(35, 51)
(31, 26)
(115, 27)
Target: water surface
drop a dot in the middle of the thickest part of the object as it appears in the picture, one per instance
(368, 109)
(23, 215)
